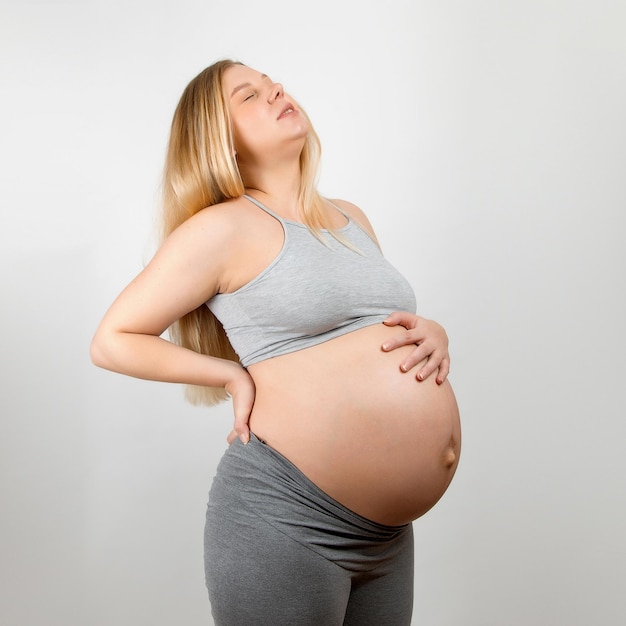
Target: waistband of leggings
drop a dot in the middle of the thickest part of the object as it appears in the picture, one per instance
(265, 465)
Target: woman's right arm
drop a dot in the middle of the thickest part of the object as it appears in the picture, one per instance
(185, 272)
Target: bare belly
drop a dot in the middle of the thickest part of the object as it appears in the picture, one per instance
(372, 437)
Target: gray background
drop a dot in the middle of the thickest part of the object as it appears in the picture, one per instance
(486, 142)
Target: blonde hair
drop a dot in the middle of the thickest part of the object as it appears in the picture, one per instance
(200, 171)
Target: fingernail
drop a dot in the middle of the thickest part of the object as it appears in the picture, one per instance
(244, 438)
(385, 346)
(404, 367)
(420, 376)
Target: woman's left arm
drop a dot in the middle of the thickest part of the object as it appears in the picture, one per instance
(431, 343)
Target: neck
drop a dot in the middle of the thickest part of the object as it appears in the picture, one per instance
(278, 186)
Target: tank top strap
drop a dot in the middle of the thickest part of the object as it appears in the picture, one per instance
(353, 222)
(264, 208)
(282, 219)
(346, 215)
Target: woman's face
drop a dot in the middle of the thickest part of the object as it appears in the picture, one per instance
(266, 121)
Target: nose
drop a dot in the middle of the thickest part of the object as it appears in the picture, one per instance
(276, 92)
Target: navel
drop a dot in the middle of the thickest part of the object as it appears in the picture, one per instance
(449, 454)
(449, 457)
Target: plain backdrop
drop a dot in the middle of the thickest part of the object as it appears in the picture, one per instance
(485, 140)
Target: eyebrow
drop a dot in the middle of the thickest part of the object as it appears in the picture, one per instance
(244, 85)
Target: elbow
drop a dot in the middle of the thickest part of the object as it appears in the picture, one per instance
(95, 352)
(98, 352)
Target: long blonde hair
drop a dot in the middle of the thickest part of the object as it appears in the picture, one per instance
(200, 171)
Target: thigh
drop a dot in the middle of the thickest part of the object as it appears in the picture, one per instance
(256, 574)
(384, 597)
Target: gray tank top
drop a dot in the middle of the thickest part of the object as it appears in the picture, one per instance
(310, 293)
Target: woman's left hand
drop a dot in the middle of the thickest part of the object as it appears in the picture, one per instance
(431, 343)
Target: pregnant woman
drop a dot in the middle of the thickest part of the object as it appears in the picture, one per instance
(282, 301)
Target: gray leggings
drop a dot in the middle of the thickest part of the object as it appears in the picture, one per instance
(280, 552)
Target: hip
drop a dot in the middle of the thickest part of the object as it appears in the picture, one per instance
(255, 482)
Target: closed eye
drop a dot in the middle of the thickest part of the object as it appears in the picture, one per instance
(248, 97)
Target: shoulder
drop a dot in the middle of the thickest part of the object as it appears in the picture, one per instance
(205, 246)
(356, 214)
(208, 235)
(213, 226)
(224, 216)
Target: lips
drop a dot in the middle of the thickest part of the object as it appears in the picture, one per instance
(287, 110)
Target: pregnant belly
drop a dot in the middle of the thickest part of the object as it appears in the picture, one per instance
(372, 437)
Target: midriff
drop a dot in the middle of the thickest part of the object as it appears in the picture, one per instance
(372, 437)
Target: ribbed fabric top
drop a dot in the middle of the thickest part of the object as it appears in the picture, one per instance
(310, 293)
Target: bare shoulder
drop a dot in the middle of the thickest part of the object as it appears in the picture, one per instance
(210, 232)
(218, 219)
(201, 248)
(357, 214)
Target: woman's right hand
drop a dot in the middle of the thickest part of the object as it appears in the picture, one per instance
(242, 391)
